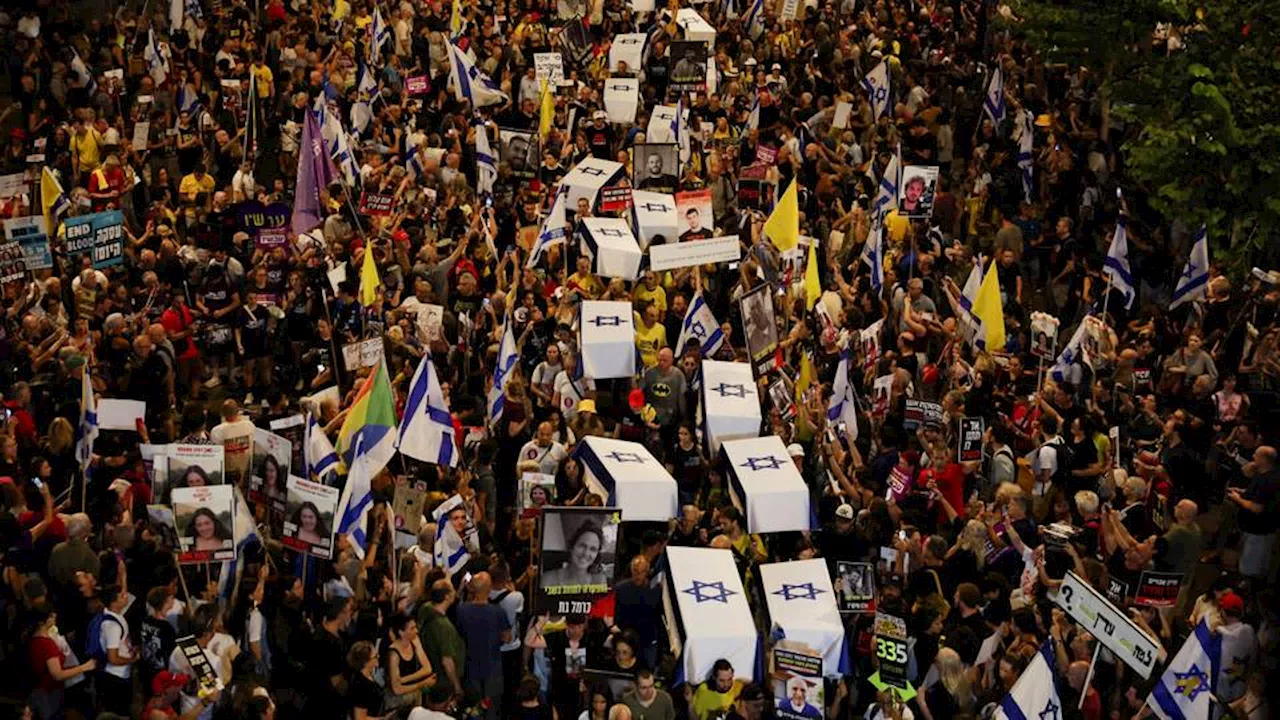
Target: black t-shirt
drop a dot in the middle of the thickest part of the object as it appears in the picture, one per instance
(1264, 489)
(156, 640)
(253, 330)
(327, 658)
(365, 694)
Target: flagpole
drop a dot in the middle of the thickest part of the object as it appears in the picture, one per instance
(1107, 297)
(1084, 690)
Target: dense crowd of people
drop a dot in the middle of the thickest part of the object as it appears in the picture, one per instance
(1125, 439)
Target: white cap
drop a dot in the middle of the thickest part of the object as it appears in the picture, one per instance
(750, 61)
(845, 511)
(795, 450)
(776, 66)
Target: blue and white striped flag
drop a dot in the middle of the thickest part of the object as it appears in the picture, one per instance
(753, 117)
(887, 196)
(87, 429)
(426, 430)
(1195, 276)
(1035, 695)
(755, 19)
(680, 131)
(1186, 689)
(1025, 148)
(1116, 265)
(245, 533)
(469, 83)
(83, 76)
(842, 406)
(508, 355)
(379, 34)
(876, 83)
(552, 231)
(318, 455)
(365, 81)
(699, 323)
(486, 161)
(337, 142)
(188, 100)
(873, 251)
(993, 102)
(1073, 351)
(451, 551)
(157, 58)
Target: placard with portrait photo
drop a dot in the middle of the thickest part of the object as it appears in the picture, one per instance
(518, 150)
(917, 191)
(759, 327)
(310, 512)
(269, 474)
(537, 491)
(696, 215)
(191, 466)
(855, 586)
(202, 518)
(579, 558)
(655, 167)
(688, 66)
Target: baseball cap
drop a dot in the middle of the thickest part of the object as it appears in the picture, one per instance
(750, 62)
(776, 66)
(845, 511)
(1232, 603)
(795, 450)
(166, 680)
(586, 406)
(599, 115)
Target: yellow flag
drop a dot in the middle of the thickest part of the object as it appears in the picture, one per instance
(783, 225)
(368, 278)
(805, 380)
(53, 201)
(455, 19)
(988, 309)
(548, 111)
(812, 286)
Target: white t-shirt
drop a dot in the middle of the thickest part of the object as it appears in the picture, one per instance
(236, 439)
(1045, 459)
(421, 713)
(512, 605)
(544, 376)
(569, 395)
(548, 458)
(115, 636)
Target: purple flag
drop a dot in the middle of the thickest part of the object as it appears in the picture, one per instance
(315, 171)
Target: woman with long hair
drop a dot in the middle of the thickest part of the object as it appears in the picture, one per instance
(571, 487)
(310, 527)
(363, 691)
(409, 671)
(582, 567)
(950, 696)
(206, 532)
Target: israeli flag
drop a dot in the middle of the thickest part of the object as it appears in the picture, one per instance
(552, 230)
(353, 511)
(1072, 352)
(993, 103)
(508, 355)
(450, 551)
(361, 116)
(680, 131)
(971, 286)
(1024, 154)
(1195, 276)
(469, 83)
(426, 431)
(1186, 689)
(486, 162)
(753, 117)
(1117, 263)
(414, 164)
(336, 140)
(755, 19)
(379, 34)
(701, 324)
(245, 533)
(157, 58)
(876, 83)
(83, 76)
(873, 252)
(188, 100)
(843, 407)
(87, 429)
(887, 196)
(365, 81)
(177, 8)
(318, 455)
(1034, 695)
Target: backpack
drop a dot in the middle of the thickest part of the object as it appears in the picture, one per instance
(1062, 477)
(93, 647)
(517, 624)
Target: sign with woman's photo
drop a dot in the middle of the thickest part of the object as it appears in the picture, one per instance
(917, 191)
(293, 429)
(1044, 336)
(756, 308)
(192, 466)
(579, 555)
(272, 456)
(855, 586)
(537, 490)
(202, 517)
(309, 517)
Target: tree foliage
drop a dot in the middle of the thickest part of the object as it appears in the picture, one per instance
(1207, 144)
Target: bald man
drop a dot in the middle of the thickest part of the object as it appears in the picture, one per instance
(637, 605)
(1257, 518)
(542, 454)
(619, 712)
(485, 629)
(1077, 673)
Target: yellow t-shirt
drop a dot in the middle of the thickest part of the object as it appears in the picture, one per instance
(88, 147)
(649, 341)
(589, 283)
(708, 703)
(265, 78)
(656, 295)
(897, 225)
(192, 186)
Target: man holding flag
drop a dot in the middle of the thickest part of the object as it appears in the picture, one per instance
(366, 443)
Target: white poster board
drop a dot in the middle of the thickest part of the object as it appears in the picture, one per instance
(697, 252)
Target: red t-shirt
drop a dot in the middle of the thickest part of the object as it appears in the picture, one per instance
(175, 322)
(57, 530)
(949, 482)
(40, 650)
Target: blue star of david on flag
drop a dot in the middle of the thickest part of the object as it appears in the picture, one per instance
(625, 457)
(606, 321)
(699, 591)
(803, 591)
(1050, 711)
(727, 390)
(1191, 270)
(767, 462)
(1192, 682)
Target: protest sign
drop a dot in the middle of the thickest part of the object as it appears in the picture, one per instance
(429, 321)
(891, 648)
(30, 234)
(1115, 630)
(363, 354)
(537, 490)
(917, 413)
(549, 67)
(855, 586)
(140, 132)
(417, 85)
(797, 684)
(99, 234)
(1044, 336)
(655, 167)
(1117, 590)
(118, 414)
(971, 429)
(407, 503)
(615, 198)
(843, 111)
(1158, 589)
(12, 184)
(192, 466)
(272, 455)
(203, 519)
(376, 204)
(13, 264)
(917, 191)
(756, 310)
(309, 517)
(689, 66)
(688, 254)
(206, 676)
(696, 213)
(579, 555)
(293, 429)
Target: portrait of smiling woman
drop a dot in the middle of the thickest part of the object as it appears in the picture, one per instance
(311, 527)
(582, 566)
(206, 532)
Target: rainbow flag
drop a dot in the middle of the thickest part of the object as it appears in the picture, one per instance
(366, 443)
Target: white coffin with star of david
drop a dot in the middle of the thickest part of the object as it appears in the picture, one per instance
(706, 613)
(629, 477)
(802, 608)
(766, 485)
(695, 27)
(654, 214)
(612, 245)
(607, 336)
(730, 402)
(587, 177)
